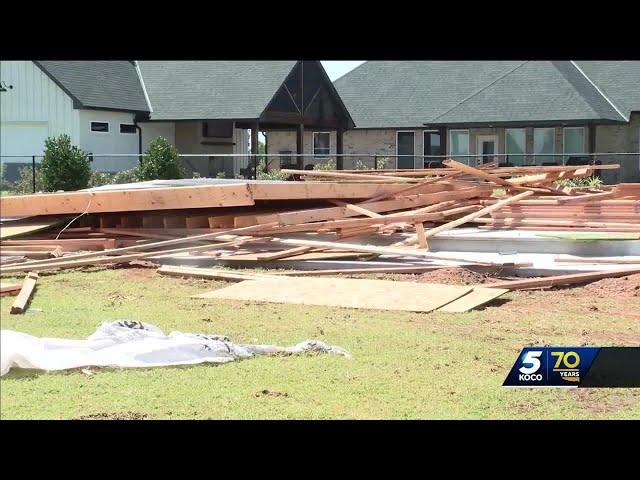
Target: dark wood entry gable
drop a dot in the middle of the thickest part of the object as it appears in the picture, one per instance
(307, 97)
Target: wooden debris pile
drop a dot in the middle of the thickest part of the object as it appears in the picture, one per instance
(324, 215)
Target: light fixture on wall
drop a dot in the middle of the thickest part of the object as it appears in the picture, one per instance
(4, 86)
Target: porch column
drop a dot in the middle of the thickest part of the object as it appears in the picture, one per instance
(591, 132)
(254, 147)
(339, 149)
(300, 146)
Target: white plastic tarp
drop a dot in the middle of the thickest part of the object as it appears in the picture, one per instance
(127, 343)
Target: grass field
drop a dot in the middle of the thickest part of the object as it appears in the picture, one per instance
(404, 365)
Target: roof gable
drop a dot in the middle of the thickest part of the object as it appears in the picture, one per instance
(618, 81)
(532, 92)
(109, 85)
(199, 90)
(413, 93)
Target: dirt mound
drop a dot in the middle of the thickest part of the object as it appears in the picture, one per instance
(616, 287)
(456, 276)
(114, 416)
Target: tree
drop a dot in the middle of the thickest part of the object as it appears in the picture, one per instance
(64, 166)
(160, 162)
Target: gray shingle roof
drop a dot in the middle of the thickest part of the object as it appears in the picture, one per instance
(412, 93)
(112, 85)
(619, 81)
(182, 90)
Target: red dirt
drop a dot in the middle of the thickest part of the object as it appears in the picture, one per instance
(622, 287)
(457, 276)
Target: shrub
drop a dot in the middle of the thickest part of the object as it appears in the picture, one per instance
(24, 185)
(64, 166)
(160, 162)
(272, 174)
(593, 182)
(126, 176)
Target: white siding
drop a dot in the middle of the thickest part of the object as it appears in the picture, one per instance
(36, 103)
(111, 142)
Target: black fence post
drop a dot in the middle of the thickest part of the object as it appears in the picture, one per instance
(255, 168)
(375, 162)
(33, 172)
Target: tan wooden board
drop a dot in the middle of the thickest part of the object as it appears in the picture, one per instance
(474, 299)
(10, 288)
(127, 200)
(343, 292)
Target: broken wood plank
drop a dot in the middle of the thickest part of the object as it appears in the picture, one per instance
(343, 292)
(615, 260)
(572, 279)
(291, 252)
(208, 273)
(422, 239)
(26, 292)
(10, 288)
(470, 217)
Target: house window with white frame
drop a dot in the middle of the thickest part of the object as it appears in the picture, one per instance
(573, 143)
(459, 145)
(321, 144)
(544, 145)
(515, 145)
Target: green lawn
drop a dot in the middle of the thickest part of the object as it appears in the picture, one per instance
(404, 365)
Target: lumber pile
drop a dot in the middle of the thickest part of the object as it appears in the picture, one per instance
(387, 215)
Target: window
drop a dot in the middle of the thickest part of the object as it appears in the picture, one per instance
(573, 143)
(321, 142)
(544, 143)
(516, 145)
(405, 149)
(432, 145)
(102, 127)
(127, 128)
(459, 143)
(217, 128)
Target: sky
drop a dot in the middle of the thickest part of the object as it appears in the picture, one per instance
(335, 69)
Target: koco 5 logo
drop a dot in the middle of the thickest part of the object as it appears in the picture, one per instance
(530, 366)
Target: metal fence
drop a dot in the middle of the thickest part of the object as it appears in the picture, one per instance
(19, 173)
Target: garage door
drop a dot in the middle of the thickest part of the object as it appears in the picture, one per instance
(23, 138)
(20, 138)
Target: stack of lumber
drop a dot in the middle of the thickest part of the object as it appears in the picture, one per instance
(327, 215)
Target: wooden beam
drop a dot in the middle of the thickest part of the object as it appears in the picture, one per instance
(26, 292)
(470, 217)
(422, 239)
(572, 279)
(98, 201)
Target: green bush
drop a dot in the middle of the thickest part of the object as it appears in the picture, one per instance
(592, 182)
(24, 185)
(108, 178)
(64, 166)
(160, 162)
(272, 174)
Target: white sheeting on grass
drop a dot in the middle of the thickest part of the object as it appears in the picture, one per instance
(127, 343)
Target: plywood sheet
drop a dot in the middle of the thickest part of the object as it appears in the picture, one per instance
(477, 297)
(343, 292)
(29, 225)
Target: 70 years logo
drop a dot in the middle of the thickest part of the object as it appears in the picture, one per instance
(551, 367)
